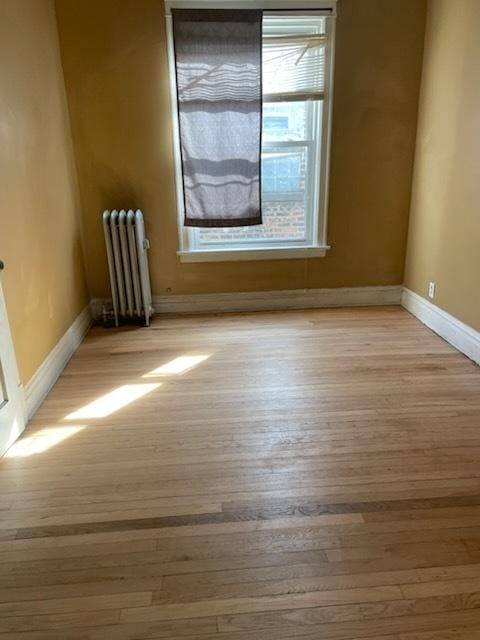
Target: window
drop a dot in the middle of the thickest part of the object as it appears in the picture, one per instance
(296, 78)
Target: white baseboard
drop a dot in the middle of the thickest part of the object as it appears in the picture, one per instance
(277, 300)
(46, 375)
(268, 300)
(458, 334)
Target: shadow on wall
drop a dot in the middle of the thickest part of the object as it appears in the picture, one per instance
(114, 192)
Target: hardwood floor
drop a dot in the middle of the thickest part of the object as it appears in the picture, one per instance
(310, 474)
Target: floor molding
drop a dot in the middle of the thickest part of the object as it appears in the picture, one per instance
(277, 300)
(454, 331)
(266, 300)
(46, 375)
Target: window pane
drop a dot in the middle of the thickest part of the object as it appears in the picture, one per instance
(284, 202)
(285, 121)
(283, 172)
(282, 220)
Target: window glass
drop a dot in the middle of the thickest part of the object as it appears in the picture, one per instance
(285, 121)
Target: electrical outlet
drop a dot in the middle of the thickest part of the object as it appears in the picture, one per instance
(431, 289)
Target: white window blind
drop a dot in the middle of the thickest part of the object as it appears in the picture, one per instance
(293, 58)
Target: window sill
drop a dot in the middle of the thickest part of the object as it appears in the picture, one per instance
(271, 253)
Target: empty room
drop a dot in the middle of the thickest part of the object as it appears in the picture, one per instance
(240, 320)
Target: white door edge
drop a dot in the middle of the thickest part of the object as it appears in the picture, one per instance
(12, 415)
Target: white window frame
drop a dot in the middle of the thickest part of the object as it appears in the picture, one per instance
(319, 247)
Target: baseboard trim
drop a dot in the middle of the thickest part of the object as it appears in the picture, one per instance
(266, 300)
(277, 300)
(48, 372)
(454, 331)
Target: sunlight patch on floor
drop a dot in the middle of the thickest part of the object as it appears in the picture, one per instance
(113, 401)
(177, 366)
(41, 441)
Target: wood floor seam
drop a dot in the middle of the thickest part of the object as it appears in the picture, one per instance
(229, 516)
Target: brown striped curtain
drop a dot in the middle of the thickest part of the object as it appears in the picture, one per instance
(218, 56)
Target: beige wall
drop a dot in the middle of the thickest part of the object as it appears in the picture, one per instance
(444, 234)
(43, 281)
(114, 57)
